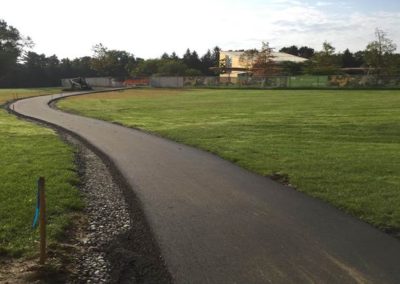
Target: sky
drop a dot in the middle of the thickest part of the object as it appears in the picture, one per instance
(147, 28)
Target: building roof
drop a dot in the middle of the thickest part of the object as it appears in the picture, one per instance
(277, 56)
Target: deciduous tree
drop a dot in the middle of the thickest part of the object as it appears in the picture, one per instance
(116, 63)
(378, 53)
(12, 44)
(261, 62)
(324, 62)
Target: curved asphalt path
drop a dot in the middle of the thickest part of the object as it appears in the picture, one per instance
(218, 223)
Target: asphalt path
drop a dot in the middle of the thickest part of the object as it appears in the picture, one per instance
(218, 223)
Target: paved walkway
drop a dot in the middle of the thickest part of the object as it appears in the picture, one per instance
(218, 223)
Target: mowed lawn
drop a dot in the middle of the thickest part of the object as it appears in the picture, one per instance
(27, 152)
(12, 94)
(340, 146)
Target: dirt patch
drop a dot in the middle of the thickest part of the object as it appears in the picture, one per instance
(59, 264)
(280, 177)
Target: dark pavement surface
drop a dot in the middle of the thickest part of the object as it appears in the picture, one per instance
(218, 223)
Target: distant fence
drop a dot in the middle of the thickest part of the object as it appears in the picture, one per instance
(109, 82)
(167, 82)
(270, 82)
(303, 81)
(105, 82)
(136, 82)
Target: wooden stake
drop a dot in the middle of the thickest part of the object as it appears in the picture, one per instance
(42, 220)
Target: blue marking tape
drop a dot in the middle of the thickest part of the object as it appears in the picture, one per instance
(36, 217)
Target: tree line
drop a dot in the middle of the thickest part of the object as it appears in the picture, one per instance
(20, 67)
(378, 58)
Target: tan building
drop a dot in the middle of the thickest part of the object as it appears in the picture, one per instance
(234, 67)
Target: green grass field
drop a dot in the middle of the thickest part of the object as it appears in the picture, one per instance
(340, 146)
(27, 152)
(12, 94)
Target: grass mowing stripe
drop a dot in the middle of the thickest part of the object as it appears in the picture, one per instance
(341, 146)
(27, 152)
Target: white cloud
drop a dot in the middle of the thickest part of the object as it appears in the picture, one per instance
(304, 24)
(323, 3)
(148, 28)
